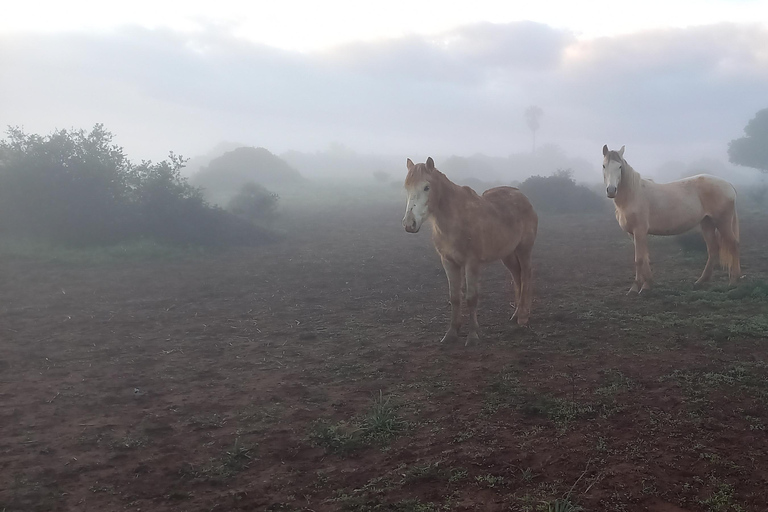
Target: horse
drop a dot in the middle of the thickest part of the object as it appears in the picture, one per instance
(646, 208)
(470, 230)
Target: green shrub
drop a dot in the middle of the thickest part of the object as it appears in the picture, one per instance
(254, 203)
(78, 187)
(559, 193)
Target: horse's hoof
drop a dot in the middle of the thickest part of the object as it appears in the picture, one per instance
(736, 280)
(472, 336)
(450, 337)
(522, 322)
(633, 290)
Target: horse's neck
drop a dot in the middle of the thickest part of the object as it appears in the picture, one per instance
(630, 186)
(447, 206)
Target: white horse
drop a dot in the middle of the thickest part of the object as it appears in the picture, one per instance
(644, 207)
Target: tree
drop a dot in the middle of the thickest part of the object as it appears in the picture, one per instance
(75, 186)
(533, 116)
(254, 203)
(559, 193)
(752, 150)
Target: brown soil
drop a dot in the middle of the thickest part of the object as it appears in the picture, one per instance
(208, 383)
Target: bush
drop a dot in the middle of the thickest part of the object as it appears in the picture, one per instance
(559, 193)
(78, 187)
(254, 203)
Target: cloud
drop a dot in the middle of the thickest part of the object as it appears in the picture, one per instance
(661, 92)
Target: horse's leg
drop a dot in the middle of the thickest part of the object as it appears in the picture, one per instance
(642, 264)
(472, 273)
(513, 265)
(453, 271)
(713, 249)
(523, 253)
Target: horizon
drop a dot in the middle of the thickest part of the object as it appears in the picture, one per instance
(670, 81)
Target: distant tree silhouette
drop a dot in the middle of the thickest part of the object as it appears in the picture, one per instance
(559, 193)
(752, 149)
(533, 115)
(254, 202)
(79, 187)
(225, 175)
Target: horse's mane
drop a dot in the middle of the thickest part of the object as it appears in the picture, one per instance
(629, 175)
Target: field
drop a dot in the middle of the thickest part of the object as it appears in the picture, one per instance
(307, 375)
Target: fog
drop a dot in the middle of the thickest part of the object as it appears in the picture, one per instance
(217, 292)
(674, 96)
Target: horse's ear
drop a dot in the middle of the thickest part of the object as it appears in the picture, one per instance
(430, 164)
(409, 165)
(621, 152)
(605, 149)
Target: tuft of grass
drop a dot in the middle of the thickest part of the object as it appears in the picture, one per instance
(340, 438)
(489, 481)
(558, 410)
(563, 505)
(527, 475)
(458, 475)
(382, 423)
(430, 471)
(722, 500)
(232, 461)
(614, 381)
(378, 426)
(237, 458)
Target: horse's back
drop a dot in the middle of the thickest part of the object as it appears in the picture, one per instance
(715, 193)
(508, 198)
(676, 207)
(514, 209)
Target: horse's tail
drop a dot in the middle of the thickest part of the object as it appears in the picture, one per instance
(729, 244)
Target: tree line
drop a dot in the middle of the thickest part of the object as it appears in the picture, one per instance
(78, 186)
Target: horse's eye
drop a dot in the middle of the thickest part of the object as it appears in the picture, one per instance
(603, 166)
(426, 188)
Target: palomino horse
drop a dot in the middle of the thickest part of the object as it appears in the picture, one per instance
(644, 207)
(470, 230)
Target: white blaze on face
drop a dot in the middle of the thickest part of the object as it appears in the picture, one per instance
(611, 173)
(416, 210)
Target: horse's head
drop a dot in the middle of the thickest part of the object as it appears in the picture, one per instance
(612, 162)
(418, 183)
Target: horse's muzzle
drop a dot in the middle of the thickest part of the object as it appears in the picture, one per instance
(610, 191)
(410, 224)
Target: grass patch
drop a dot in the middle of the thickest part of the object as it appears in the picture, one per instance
(231, 462)
(722, 500)
(505, 391)
(378, 426)
(382, 423)
(745, 377)
(563, 505)
(340, 438)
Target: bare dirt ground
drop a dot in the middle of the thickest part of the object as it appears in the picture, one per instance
(307, 375)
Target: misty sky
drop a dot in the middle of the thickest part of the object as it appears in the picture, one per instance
(673, 80)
